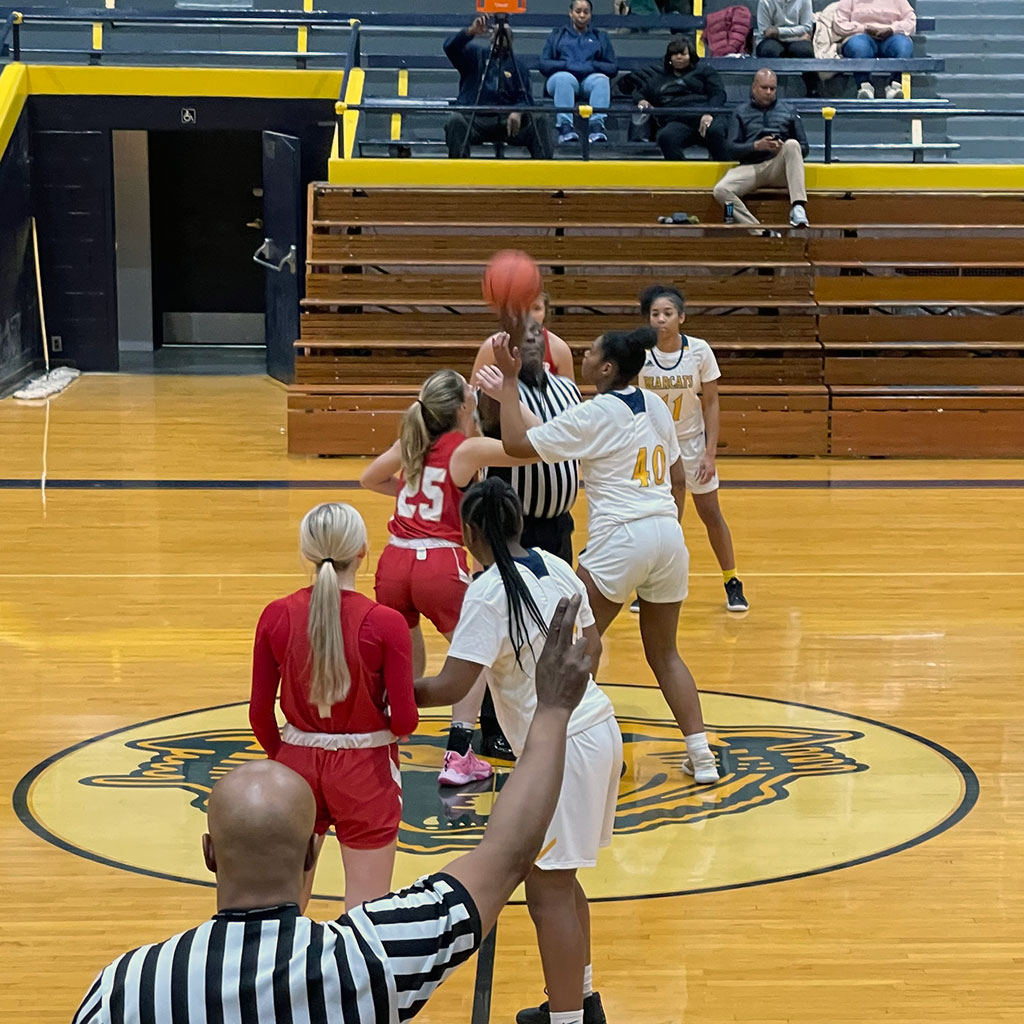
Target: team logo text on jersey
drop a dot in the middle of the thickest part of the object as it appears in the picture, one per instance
(669, 382)
(803, 790)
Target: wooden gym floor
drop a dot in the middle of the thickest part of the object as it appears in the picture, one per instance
(868, 709)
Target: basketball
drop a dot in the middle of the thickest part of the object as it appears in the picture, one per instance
(511, 281)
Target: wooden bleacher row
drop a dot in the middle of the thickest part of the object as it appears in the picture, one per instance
(333, 207)
(807, 369)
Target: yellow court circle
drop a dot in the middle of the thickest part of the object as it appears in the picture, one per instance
(804, 790)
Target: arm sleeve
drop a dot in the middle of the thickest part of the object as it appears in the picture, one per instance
(764, 21)
(605, 62)
(806, 24)
(736, 146)
(456, 49)
(846, 21)
(480, 632)
(392, 634)
(549, 61)
(573, 434)
(907, 25)
(266, 678)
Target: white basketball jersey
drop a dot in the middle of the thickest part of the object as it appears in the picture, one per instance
(676, 377)
(626, 444)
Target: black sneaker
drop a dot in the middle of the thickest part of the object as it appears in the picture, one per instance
(734, 599)
(593, 1012)
(635, 606)
(497, 748)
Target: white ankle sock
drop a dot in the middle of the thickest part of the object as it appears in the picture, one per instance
(588, 981)
(697, 744)
(567, 1017)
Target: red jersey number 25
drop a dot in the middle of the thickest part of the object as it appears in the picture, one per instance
(430, 494)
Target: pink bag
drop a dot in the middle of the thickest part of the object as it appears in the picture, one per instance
(727, 31)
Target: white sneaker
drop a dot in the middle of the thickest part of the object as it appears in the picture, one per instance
(866, 92)
(704, 770)
(798, 216)
(894, 91)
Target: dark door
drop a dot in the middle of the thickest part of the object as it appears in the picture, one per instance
(206, 221)
(281, 252)
(73, 199)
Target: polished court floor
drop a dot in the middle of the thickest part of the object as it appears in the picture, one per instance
(860, 861)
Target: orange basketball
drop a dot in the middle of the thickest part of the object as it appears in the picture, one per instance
(511, 281)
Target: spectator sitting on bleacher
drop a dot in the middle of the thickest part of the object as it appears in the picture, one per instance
(578, 58)
(507, 84)
(682, 80)
(785, 29)
(767, 137)
(876, 28)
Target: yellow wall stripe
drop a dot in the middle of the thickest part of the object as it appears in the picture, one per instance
(631, 175)
(13, 92)
(54, 80)
(698, 11)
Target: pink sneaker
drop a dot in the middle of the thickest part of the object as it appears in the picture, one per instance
(459, 770)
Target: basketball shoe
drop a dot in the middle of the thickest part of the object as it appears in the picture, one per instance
(593, 1012)
(462, 768)
(734, 599)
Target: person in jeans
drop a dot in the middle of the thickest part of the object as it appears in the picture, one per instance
(876, 28)
(767, 137)
(507, 84)
(784, 29)
(578, 59)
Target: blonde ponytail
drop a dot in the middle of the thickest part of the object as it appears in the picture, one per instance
(434, 413)
(332, 536)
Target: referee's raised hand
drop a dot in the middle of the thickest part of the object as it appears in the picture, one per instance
(563, 668)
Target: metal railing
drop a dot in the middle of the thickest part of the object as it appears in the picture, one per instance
(829, 114)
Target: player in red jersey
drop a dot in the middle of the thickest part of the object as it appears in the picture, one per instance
(344, 667)
(557, 354)
(423, 570)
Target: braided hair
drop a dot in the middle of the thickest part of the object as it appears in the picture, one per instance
(494, 511)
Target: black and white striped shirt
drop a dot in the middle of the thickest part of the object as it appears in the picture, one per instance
(546, 489)
(377, 964)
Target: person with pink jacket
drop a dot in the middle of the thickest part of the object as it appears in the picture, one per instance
(876, 28)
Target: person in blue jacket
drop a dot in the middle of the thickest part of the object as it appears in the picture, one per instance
(507, 84)
(579, 59)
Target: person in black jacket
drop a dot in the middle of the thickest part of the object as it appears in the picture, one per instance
(507, 84)
(767, 137)
(682, 81)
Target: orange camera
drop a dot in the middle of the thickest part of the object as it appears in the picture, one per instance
(501, 6)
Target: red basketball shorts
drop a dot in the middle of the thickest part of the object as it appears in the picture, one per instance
(423, 581)
(359, 792)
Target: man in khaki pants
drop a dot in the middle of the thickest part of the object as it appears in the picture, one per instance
(767, 137)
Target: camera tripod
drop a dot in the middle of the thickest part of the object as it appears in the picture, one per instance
(501, 45)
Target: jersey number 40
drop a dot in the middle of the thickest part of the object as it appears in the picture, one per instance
(643, 469)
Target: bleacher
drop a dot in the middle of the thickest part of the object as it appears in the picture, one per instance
(896, 325)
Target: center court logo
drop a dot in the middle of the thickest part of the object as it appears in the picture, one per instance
(803, 790)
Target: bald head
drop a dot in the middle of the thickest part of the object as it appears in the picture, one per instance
(261, 818)
(763, 88)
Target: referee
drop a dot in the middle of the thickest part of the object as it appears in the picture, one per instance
(260, 961)
(547, 491)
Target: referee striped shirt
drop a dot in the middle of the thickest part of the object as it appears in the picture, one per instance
(377, 964)
(546, 489)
